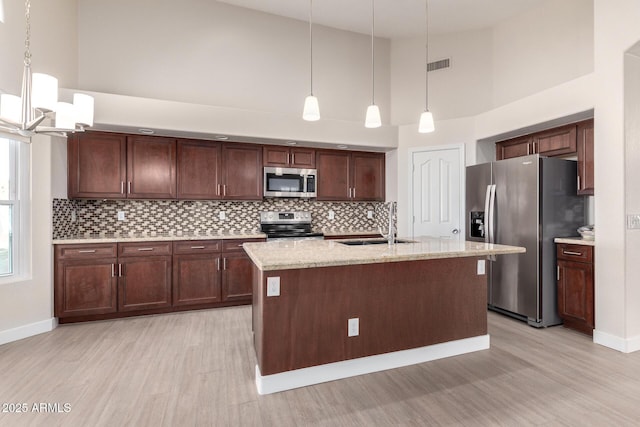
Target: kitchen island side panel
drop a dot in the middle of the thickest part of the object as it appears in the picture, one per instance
(400, 306)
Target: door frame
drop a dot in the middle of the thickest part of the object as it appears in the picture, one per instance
(461, 156)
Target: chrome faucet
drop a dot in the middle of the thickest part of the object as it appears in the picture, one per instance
(391, 230)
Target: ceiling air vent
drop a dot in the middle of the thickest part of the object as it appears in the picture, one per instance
(439, 65)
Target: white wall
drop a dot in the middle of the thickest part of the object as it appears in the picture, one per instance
(617, 302)
(542, 48)
(206, 52)
(26, 304)
(462, 90)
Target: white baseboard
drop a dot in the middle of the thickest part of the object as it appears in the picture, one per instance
(27, 331)
(365, 365)
(624, 345)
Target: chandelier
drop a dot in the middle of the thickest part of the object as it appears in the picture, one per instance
(24, 114)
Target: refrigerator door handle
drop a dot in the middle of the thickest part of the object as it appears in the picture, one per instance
(492, 208)
(487, 207)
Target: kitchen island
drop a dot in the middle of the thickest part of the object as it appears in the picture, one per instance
(325, 310)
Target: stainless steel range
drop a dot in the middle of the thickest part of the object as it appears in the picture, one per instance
(287, 225)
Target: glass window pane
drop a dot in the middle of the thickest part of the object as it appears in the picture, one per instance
(6, 266)
(5, 168)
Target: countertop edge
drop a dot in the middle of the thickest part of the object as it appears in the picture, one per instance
(575, 241)
(127, 239)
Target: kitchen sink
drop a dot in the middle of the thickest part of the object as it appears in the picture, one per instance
(373, 242)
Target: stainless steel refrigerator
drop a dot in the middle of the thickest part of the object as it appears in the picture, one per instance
(524, 201)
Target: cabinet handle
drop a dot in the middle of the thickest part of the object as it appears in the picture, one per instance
(528, 148)
(119, 270)
(288, 159)
(224, 189)
(218, 263)
(224, 264)
(113, 270)
(293, 158)
(121, 187)
(571, 253)
(354, 192)
(197, 247)
(558, 273)
(87, 251)
(129, 187)
(578, 182)
(146, 249)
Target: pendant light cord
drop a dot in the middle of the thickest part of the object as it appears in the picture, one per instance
(426, 57)
(311, 42)
(373, 73)
(27, 40)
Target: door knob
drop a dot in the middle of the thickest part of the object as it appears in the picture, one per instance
(455, 231)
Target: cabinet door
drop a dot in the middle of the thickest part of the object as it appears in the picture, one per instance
(199, 169)
(511, 148)
(585, 158)
(85, 287)
(196, 279)
(237, 274)
(145, 283)
(274, 155)
(304, 158)
(575, 294)
(368, 176)
(151, 167)
(334, 171)
(96, 165)
(556, 142)
(242, 165)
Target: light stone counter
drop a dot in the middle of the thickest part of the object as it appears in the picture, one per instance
(575, 241)
(287, 255)
(153, 237)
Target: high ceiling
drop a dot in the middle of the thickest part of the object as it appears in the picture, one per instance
(396, 18)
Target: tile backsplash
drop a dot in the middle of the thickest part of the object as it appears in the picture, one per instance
(78, 217)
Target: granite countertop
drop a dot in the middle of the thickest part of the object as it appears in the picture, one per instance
(285, 255)
(155, 237)
(332, 233)
(575, 241)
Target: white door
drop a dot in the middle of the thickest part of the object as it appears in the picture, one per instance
(436, 197)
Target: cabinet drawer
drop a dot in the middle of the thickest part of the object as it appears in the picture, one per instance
(579, 253)
(106, 250)
(235, 245)
(144, 249)
(197, 246)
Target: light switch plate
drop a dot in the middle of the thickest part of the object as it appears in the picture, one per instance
(120, 215)
(222, 215)
(273, 286)
(332, 215)
(633, 222)
(370, 214)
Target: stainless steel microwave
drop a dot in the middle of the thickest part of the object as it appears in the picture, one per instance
(290, 182)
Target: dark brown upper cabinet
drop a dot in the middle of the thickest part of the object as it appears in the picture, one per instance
(585, 158)
(151, 167)
(199, 164)
(289, 157)
(350, 176)
(241, 172)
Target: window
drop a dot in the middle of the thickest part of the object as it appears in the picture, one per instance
(9, 206)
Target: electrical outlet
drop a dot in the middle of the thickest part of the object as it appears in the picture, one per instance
(273, 286)
(74, 216)
(354, 327)
(370, 214)
(120, 215)
(332, 215)
(481, 267)
(222, 215)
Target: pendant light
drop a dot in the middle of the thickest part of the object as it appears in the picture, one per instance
(426, 118)
(311, 110)
(372, 119)
(39, 101)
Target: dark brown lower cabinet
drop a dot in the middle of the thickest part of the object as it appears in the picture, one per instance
(196, 272)
(576, 287)
(105, 281)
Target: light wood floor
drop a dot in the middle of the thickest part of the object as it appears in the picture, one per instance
(196, 369)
